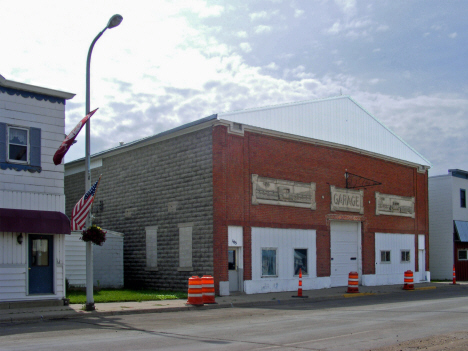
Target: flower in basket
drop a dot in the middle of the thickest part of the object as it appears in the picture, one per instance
(94, 234)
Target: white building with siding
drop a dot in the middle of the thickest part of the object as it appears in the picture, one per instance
(447, 210)
(32, 200)
(108, 265)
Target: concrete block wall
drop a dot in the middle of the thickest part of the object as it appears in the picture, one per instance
(136, 188)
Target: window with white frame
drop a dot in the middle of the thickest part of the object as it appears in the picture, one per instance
(20, 147)
(300, 261)
(385, 256)
(18, 144)
(405, 256)
(463, 254)
(151, 247)
(269, 268)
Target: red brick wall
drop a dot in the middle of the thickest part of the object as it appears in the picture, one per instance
(236, 158)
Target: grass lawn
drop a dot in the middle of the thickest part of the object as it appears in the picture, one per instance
(121, 295)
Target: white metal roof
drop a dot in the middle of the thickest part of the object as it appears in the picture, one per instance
(338, 120)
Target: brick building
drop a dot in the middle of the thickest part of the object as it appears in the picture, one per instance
(253, 196)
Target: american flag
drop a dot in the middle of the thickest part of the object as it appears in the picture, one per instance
(82, 207)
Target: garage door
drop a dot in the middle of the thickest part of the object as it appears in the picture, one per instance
(344, 238)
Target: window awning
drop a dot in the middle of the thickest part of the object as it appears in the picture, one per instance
(34, 222)
(461, 231)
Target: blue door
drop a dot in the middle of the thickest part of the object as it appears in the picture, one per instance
(41, 264)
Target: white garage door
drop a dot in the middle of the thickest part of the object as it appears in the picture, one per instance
(344, 238)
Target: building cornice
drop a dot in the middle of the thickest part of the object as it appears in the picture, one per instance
(32, 91)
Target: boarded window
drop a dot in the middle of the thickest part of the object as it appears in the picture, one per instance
(151, 247)
(185, 245)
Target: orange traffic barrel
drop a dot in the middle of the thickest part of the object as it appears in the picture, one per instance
(353, 282)
(454, 276)
(408, 281)
(208, 290)
(195, 291)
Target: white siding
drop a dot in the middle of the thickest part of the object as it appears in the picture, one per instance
(50, 118)
(13, 283)
(285, 241)
(441, 226)
(393, 272)
(459, 213)
(12, 253)
(75, 260)
(108, 265)
(14, 268)
(32, 201)
(337, 120)
(235, 236)
(32, 191)
(107, 261)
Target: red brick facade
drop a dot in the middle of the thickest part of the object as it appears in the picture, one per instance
(236, 158)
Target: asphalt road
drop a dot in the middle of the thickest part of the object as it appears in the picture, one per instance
(360, 323)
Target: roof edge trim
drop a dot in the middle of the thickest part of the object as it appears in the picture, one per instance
(35, 89)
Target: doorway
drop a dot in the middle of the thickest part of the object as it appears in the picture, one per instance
(41, 264)
(344, 249)
(233, 269)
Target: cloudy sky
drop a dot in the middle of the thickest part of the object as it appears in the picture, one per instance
(171, 62)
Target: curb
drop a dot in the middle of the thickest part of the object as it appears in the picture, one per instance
(45, 315)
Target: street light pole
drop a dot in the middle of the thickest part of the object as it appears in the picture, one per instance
(113, 22)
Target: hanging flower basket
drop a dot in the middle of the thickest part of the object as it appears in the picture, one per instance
(94, 234)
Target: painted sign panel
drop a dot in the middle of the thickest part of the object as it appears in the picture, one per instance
(282, 192)
(348, 200)
(394, 205)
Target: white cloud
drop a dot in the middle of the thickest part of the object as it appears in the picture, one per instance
(262, 15)
(258, 15)
(348, 7)
(245, 47)
(354, 28)
(241, 34)
(335, 28)
(262, 29)
(272, 66)
(298, 13)
(382, 28)
(204, 10)
(453, 35)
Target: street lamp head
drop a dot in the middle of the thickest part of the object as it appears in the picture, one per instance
(114, 21)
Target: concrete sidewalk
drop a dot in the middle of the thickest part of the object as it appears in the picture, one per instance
(17, 315)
